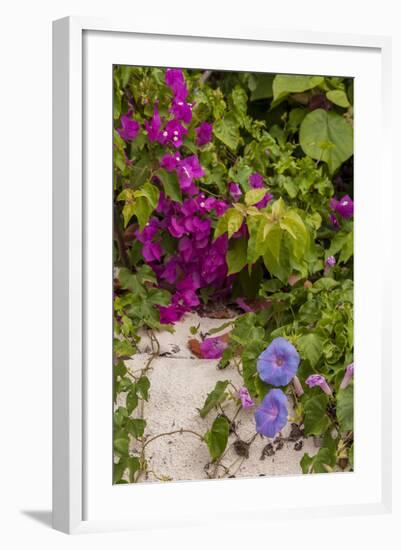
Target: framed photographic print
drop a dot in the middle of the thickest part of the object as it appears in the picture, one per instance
(215, 205)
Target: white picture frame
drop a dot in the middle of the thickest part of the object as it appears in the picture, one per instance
(73, 224)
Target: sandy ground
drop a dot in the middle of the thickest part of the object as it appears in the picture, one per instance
(179, 385)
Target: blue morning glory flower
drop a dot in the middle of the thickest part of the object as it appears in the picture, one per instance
(278, 364)
(271, 415)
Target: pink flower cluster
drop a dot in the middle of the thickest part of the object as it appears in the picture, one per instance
(197, 261)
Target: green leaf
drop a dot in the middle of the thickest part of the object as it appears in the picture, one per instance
(234, 221)
(227, 131)
(293, 224)
(132, 401)
(254, 196)
(345, 409)
(326, 136)
(122, 348)
(342, 241)
(236, 255)
(323, 462)
(311, 347)
(150, 192)
(338, 97)
(285, 84)
(159, 296)
(221, 227)
(261, 86)
(119, 469)
(170, 184)
(136, 426)
(143, 386)
(347, 249)
(316, 421)
(240, 104)
(217, 437)
(133, 466)
(276, 258)
(214, 397)
(121, 441)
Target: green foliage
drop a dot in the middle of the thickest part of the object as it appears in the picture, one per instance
(215, 397)
(217, 437)
(345, 409)
(296, 132)
(326, 136)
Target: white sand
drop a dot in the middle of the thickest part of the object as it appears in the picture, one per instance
(179, 385)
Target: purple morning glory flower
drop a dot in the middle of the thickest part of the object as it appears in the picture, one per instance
(234, 190)
(153, 127)
(318, 380)
(188, 170)
(204, 133)
(344, 206)
(246, 399)
(129, 127)
(212, 348)
(181, 110)
(271, 415)
(176, 81)
(278, 364)
(349, 373)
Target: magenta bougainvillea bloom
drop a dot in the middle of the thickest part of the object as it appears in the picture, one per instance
(173, 133)
(212, 348)
(153, 127)
(204, 134)
(181, 110)
(170, 162)
(349, 373)
(152, 251)
(129, 127)
(234, 190)
(187, 170)
(318, 380)
(256, 181)
(246, 399)
(344, 207)
(278, 364)
(176, 81)
(271, 415)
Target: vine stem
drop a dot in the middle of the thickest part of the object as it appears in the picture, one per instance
(181, 431)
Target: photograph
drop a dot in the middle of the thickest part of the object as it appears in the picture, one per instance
(233, 263)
